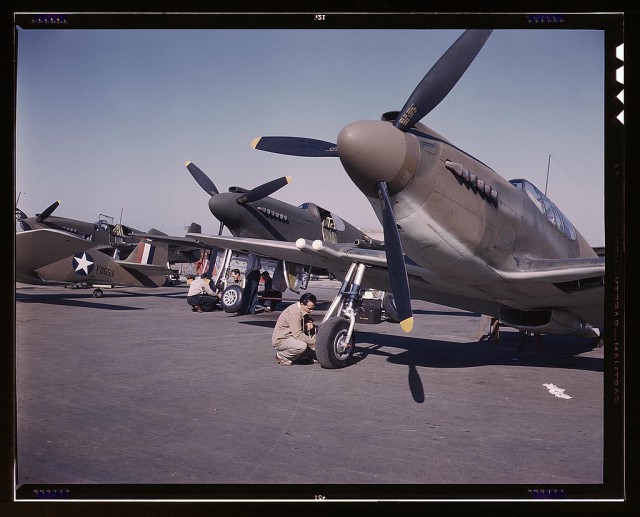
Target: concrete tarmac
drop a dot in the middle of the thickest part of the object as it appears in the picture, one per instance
(133, 389)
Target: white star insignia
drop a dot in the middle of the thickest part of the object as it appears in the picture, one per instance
(83, 264)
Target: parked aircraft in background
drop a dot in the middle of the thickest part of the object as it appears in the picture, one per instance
(456, 233)
(48, 256)
(102, 232)
(117, 240)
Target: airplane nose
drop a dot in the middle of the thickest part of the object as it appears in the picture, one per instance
(224, 208)
(374, 151)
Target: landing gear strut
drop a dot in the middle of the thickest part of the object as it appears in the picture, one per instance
(335, 341)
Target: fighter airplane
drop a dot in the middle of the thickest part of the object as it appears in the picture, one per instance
(455, 231)
(115, 239)
(47, 256)
(255, 214)
(101, 232)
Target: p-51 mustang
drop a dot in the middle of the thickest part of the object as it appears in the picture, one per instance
(102, 232)
(254, 214)
(456, 233)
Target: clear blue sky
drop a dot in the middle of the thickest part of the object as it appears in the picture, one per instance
(107, 118)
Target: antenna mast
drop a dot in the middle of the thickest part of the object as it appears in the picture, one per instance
(547, 182)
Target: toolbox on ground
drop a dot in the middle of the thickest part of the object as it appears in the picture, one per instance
(371, 311)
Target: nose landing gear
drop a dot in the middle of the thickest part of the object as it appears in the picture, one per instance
(335, 341)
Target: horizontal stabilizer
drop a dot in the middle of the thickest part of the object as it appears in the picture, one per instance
(146, 269)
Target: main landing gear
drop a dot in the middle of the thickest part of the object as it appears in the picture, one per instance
(336, 340)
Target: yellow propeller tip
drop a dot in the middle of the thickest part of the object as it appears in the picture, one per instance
(187, 163)
(255, 141)
(288, 179)
(407, 324)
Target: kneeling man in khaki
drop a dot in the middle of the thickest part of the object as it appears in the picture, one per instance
(289, 337)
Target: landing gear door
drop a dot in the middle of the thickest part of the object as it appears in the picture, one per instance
(280, 281)
(297, 276)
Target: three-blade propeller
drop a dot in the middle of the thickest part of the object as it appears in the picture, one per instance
(255, 194)
(431, 90)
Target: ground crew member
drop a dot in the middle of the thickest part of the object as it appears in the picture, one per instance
(289, 337)
(200, 296)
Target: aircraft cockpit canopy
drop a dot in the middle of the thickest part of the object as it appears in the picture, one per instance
(312, 208)
(329, 219)
(550, 210)
(103, 224)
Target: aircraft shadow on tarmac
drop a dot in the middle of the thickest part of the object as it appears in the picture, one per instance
(75, 300)
(557, 352)
(84, 298)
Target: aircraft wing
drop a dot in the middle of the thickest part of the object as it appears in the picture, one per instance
(36, 248)
(580, 279)
(182, 242)
(313, 253)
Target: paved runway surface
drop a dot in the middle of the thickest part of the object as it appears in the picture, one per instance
(135, 389)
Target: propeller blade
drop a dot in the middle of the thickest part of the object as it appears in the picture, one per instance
(203, 180)
(221, 228)
(48, 211)
(295, 146)
(264, 190)
(441, 78)
(395, 260)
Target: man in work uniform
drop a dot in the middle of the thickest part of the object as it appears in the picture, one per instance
(289, 337)
(200, 296)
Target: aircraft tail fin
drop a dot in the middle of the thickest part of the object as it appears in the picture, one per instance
(148, 263)
(155, 253)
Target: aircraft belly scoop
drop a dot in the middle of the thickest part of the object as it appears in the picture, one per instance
(556, 270)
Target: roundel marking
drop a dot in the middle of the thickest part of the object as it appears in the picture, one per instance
(83, 263)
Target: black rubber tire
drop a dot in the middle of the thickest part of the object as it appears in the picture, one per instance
(231, 298)
(330, 347)
(98, 293)
(389, 306)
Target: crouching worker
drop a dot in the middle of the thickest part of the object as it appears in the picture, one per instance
(289, 337)
(201, 297)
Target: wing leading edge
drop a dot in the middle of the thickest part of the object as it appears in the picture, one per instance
(580, 279)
